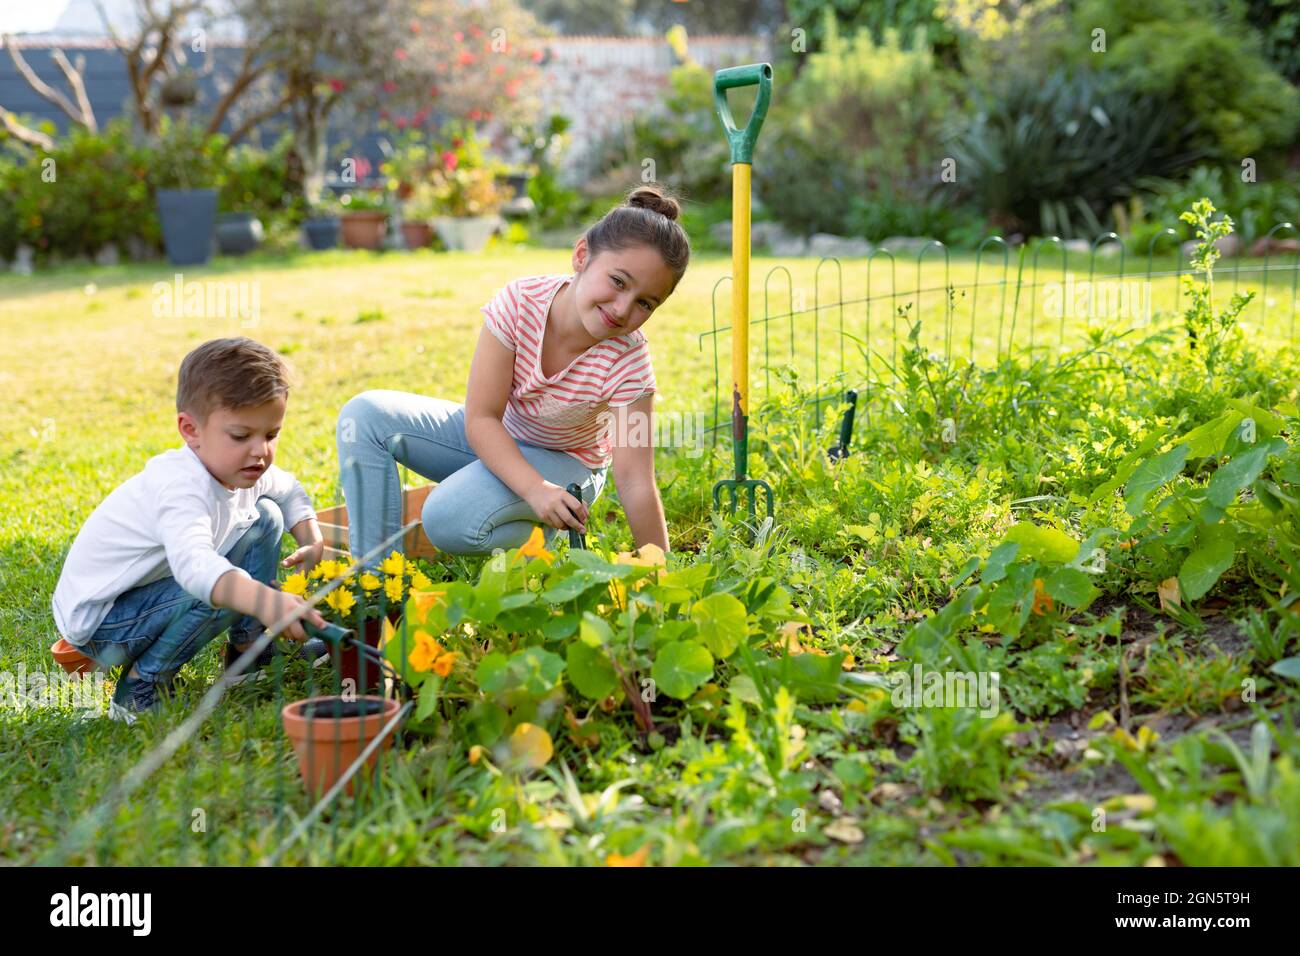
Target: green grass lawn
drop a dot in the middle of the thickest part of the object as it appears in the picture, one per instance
(90, 373)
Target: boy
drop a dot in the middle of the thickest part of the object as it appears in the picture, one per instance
(189, 546)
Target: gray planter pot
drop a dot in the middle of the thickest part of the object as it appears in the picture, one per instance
(187, 217)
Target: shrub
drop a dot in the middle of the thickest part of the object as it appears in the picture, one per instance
(1255, 207)
(1052, 154)
(263, 183)
(100, 194)
(1207, 59)
(871, 142)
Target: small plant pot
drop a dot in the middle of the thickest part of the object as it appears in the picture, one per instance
(417, 234)
(238, 233)
(364, 229)
(70, 658)
(367, 677)
(329, 733)
(322, 233)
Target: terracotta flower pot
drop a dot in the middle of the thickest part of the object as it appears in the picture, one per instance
(363, 229)
(329, 733)
(70, 658)
(417, 234)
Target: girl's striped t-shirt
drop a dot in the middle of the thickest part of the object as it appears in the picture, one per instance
(569, 411)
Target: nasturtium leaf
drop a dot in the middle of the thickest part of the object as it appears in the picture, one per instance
(1042, 543)
(558, 628)
(1209, 438)
(1070, 586)
(530, 746)
(1237, 474)
(1126, 466)
(590, 671)
(535, 669)
(680, 668)
(1150, 475)
(1204, 566)
(722, 623)
(575, 585)
(492, 673)
(590, 561)
(487, 722)
(995, 567)
(594, 631)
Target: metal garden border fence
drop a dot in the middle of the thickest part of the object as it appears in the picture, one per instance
(1018, 334)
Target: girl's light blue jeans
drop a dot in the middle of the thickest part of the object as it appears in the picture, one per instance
(471, 511)
(157, 627)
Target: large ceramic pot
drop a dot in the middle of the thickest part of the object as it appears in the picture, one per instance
(364, 229)
(187, 217)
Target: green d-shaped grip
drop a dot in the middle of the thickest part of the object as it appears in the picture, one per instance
(742, 140)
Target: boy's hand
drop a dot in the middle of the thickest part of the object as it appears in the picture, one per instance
(309, 555)
(274, 606)
(558, 508)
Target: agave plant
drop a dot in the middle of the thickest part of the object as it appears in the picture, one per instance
(1051, 155)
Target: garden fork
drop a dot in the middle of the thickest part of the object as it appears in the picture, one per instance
(742, 157)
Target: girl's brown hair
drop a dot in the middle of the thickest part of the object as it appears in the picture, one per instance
(648, 217)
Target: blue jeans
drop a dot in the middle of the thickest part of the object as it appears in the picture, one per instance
(156, 628)
(471, 511)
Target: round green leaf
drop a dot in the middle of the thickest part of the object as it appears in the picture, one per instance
(1042, 543)
(1070, 586)
(590, 671)
(681, 668)
(721, 622)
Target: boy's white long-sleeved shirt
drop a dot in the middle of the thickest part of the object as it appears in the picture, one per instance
(173, 518)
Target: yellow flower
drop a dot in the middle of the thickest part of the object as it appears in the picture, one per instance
(326, 570)
(426, 652)
(475, 753)
(295, 583)
(420, 581)
(371, 583)
(393, 588)
(443, 665)
(534, 547)
(394, 564)
(341, 600)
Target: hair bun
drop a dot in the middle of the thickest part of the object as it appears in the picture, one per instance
(648, 197)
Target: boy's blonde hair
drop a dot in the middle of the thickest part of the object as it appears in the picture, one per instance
(230, 373)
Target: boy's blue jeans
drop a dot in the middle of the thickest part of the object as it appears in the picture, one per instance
(472, 511)
(157, 627)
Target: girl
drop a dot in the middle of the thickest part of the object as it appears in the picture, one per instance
(560, 363)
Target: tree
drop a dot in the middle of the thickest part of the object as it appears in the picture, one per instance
(77, 107)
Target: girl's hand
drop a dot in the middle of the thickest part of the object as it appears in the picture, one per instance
(308, 556)
(558, 508)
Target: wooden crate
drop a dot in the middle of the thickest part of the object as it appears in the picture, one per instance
(334, 526)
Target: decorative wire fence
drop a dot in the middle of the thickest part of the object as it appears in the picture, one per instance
(1028, 304)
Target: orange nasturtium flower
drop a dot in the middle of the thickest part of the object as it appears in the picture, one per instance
(1042, 600)
(295, 583)
(635, 858)
(443, 665)
(426, 652)
(535, 546)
